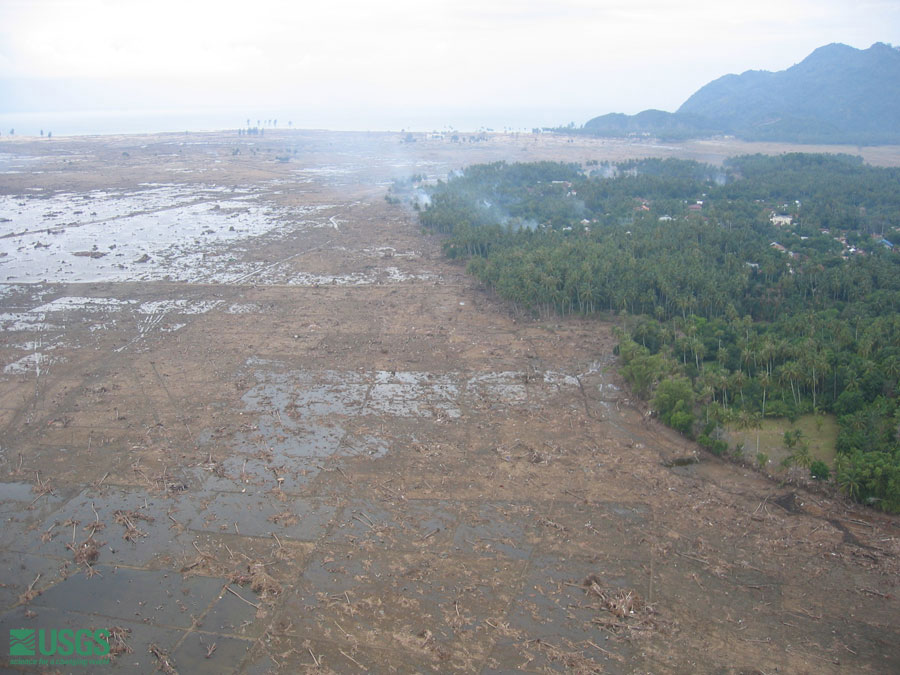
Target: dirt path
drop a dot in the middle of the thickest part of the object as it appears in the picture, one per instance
(297, 439)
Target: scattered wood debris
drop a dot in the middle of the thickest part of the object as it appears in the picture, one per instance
(87, 552)
(285, 519)
(260, 581)
(42, 488)
(117, 641)
(163, 660)
(48, 534)
(127, 518)
(30, 594)
(571, 658)
(628, 608)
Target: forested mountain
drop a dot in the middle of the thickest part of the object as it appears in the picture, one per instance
(769, 288)
(837, 94)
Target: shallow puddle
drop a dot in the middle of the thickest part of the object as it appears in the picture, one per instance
(98, 314)
(180, 232)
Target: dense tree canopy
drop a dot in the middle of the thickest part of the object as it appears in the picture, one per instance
(731, 314)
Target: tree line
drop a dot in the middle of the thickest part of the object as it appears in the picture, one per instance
(728, 316)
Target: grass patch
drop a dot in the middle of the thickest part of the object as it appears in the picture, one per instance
(818, 431)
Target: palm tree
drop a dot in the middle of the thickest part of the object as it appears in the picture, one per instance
(846, 477)
(708, 381)
(801, 456)
(851, 379)
(738, 380)
(790, 372)
(816, 364)
(721, 355)
(723, 385)
(865, 345)
(697, 348)
(891, 367)
(747, 354)
(748, 420)
(767, 351)
(764, 382)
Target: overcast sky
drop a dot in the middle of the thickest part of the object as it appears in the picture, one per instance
(578, 58)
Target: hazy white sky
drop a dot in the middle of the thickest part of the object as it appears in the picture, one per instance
(579, 57)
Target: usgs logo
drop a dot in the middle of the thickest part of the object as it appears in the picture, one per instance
(30, 642)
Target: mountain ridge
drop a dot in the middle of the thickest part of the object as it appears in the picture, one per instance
(837, 94)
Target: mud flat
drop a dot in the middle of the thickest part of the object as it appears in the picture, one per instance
(250, 421)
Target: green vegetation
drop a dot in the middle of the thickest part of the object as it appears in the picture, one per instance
(819, 470)
(818, 431)
(721, 328)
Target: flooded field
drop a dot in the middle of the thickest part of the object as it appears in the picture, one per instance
(251, 421)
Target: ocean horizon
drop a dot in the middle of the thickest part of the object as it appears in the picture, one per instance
(107, 122)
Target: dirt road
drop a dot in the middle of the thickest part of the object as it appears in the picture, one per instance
(251, 421)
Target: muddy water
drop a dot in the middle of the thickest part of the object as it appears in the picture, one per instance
(183, 233)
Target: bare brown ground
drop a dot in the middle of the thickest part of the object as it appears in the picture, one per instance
(395, 475)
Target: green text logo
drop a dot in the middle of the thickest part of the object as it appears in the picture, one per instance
(65, 642)
(21, 642)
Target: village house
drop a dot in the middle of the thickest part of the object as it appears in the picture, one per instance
(780, 219)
